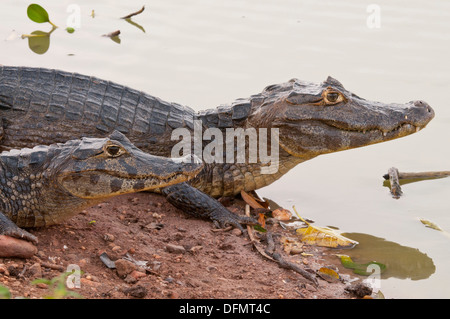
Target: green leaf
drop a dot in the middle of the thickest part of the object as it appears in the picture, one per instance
(37, 14)
(4, 293)
(360, 269)
(70, 30)
(41, 281)
(39, 42)
(259, 228)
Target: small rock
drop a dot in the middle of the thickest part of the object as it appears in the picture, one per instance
(173, 295)
(169, 279)
(13, 270)
(360, 289)
(153, 225)
(195, 249)
(87, 282)
(226, 246)
(4, 270)
(108, 237)
(130, 279)
(236, 232)
(156, 265)
(13, 247)
(124, 267)
(41, 285)
(296, 250)
(116, 248)
(211, 268)
(83, 262)
(175, 249)
(136, 291)
(35, 271)
(137, 274)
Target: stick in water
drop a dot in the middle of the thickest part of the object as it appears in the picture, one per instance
(134, 13)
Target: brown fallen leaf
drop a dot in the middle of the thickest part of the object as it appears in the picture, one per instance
(251, 200)
(328, 274)
(255, 204)
(323, 236)
(282, 214)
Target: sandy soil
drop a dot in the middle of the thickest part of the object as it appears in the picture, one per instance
(185, 258)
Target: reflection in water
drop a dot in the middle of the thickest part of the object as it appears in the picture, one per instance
(137, 25)
(401, 262)
(39, 41)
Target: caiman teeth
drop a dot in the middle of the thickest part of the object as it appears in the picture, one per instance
(408, 126)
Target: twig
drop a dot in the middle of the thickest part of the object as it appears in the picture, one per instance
(52, 266)
(396, 189)
(288, 265)
(270, 249)
(217, 230)
(112, 34)
(252, 236)
(275, 255)
(420, 175)
(134, 13)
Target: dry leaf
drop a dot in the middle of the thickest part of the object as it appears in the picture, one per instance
(282, 214)
(430, 224)
(328, 274)
(323, 236)
(251, 200)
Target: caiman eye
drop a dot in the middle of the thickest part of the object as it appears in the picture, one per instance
(114, 150)
(333, 97)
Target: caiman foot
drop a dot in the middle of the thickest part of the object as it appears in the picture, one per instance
(8, 228)
(223, 218)
(196, 203)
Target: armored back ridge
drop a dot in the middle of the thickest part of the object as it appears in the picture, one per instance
(42, 106)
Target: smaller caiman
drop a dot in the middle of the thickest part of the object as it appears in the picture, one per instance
(48, 184)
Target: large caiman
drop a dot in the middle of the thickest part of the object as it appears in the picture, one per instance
(45, 185)
(44, 106)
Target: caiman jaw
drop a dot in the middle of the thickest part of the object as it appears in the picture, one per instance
(401, 130)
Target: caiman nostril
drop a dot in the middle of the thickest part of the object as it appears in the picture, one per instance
(423, 104)
(420, 103)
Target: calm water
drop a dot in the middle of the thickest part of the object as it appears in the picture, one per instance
(205, 53)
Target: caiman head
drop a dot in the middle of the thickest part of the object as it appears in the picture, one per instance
(104, 167)
(316, 119)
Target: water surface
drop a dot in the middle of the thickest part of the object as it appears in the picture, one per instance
(205, 53)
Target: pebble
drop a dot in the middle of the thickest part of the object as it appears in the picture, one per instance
(4, 270)
(116, 248)
(13, 247)
(124, 267)
(35, 271)
(136, 291)
(42, 285)
(360, 289)
(174, 295)
(108, 237)
(175, 249)
(236, 232)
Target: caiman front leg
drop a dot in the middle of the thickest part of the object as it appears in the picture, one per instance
(198, 204)
(8, 228)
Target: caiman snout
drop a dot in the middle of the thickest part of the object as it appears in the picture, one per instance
(421, 113)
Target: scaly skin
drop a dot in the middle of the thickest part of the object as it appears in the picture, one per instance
(42, 106)
(48, 184)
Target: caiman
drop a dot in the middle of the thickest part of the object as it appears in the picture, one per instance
(44, 106)
(45, 185)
